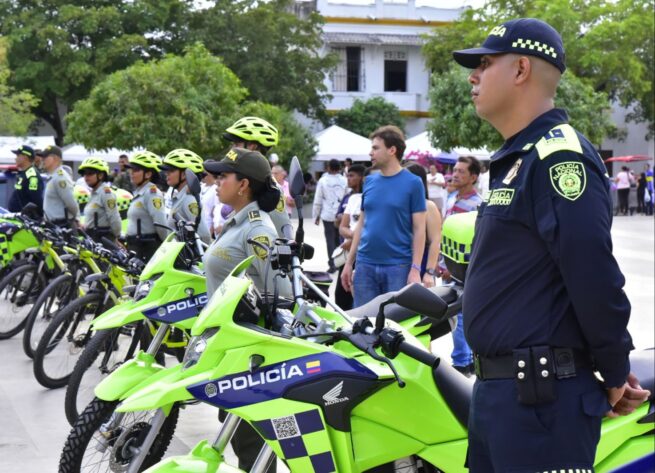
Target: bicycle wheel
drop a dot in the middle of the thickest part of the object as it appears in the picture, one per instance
(92, 447)
(55, 297)
(18, 291)
(63, 341)
(105, 352)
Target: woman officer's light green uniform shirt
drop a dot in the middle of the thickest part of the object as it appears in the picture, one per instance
(232, 247)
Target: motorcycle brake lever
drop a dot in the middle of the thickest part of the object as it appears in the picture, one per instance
(367, 343)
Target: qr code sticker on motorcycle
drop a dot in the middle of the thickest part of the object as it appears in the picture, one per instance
(285, 427)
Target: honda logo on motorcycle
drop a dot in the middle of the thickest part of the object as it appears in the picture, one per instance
(332, 396)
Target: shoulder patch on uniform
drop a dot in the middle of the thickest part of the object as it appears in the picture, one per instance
(63, 184)
(280, 204)
(193, 208)
(107, 190)
(153, 189)
(569, 179)
(111, 203)
(561, 138)
(30, 172)
(253, 216)
(156, 202)
(259, 251)
(60, 172)
(33, 183)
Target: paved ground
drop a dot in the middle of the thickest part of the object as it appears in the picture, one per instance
(34, 427)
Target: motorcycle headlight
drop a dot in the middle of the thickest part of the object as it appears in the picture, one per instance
(144, 287)
(196, 348)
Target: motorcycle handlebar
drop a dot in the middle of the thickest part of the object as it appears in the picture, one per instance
(419, 354)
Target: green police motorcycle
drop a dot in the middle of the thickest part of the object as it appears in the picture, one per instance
(169, 295)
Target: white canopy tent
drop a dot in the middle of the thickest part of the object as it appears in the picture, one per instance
(420, 145)
(10, 143)
(78, 153)
(338, 143)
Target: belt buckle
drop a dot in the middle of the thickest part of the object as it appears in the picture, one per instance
(477, 366)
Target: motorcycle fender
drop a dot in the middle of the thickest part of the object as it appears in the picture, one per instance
(202, 459)
(121, 314)
(163, 389)
(128, 375)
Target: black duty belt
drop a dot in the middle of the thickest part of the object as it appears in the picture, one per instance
(541, 360)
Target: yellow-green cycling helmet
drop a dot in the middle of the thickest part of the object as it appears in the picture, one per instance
(123, 198)
(252, 129)
(81, 194)
(97, 164)
(183, 159)
(146, 160)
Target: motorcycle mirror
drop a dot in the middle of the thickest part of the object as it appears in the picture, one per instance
(193, 183)
(421, 300)
(296, 180)
(31, 210)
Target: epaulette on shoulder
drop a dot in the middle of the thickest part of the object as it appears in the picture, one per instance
(60, 172)
(30, 172)
(107, 190)
(153, 189)
(561, 138)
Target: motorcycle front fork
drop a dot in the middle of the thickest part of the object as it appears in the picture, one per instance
(230, 424)
(140, 452)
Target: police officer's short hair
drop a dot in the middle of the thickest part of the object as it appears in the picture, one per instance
(473, 164)
(392, 136)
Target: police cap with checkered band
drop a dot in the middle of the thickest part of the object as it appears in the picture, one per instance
(521, 36)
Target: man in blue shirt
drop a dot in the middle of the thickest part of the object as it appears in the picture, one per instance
(543, 305)
(390, 233)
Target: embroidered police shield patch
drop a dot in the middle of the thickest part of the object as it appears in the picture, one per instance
(156, 202)
(259, 251)
(568, 179)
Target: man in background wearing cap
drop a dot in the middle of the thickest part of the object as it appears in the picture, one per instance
(536, 314)
(59, 205)
(29, 185)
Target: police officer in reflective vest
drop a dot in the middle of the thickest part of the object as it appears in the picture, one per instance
(544, 306)
(146, 219)
(59, 205)
(101, 217)
(184, 206)
(29, 184)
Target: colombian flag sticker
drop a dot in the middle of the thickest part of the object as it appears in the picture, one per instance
(313, 366)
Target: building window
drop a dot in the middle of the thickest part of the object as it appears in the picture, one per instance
(395, 71)
(349, 74)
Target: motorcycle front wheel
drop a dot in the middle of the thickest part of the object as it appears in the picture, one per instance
(18, 291)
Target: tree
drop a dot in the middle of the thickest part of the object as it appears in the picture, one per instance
(364, 117)
(15, 107)
(176, 102)
(608, 44)
(455, 122)
(295, 140)
(276, 55)
(61, 49)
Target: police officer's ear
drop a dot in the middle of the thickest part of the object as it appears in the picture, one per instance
(523, 70)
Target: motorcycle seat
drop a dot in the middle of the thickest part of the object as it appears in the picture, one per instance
(456, 389)
(642, 364)
(394, 311)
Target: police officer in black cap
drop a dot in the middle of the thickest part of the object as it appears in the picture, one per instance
(29, 184)
(544, 305)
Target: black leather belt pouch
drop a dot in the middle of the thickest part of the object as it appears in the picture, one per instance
(534, 375)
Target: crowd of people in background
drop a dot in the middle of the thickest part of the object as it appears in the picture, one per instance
(634, 192)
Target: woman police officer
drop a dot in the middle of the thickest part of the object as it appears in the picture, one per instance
(246, 184)
(183, 205)
(101, 215)
(147, 206)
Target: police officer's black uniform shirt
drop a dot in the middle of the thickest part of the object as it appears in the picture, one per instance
(28, 188)
(542, 270)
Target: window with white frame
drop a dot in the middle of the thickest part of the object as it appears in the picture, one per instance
(395, 71)
(349, 73)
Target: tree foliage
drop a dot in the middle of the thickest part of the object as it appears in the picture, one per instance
(274, 53)
(61, 49)
(295, 140)
(15, 106)
(176, 102)
(455, 122)
(609, 44)
(364, 117)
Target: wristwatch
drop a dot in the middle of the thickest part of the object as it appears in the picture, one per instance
(431, 272)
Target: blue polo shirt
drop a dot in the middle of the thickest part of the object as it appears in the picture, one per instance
(389, 203)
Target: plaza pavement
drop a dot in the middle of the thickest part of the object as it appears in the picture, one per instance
(32, 423)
